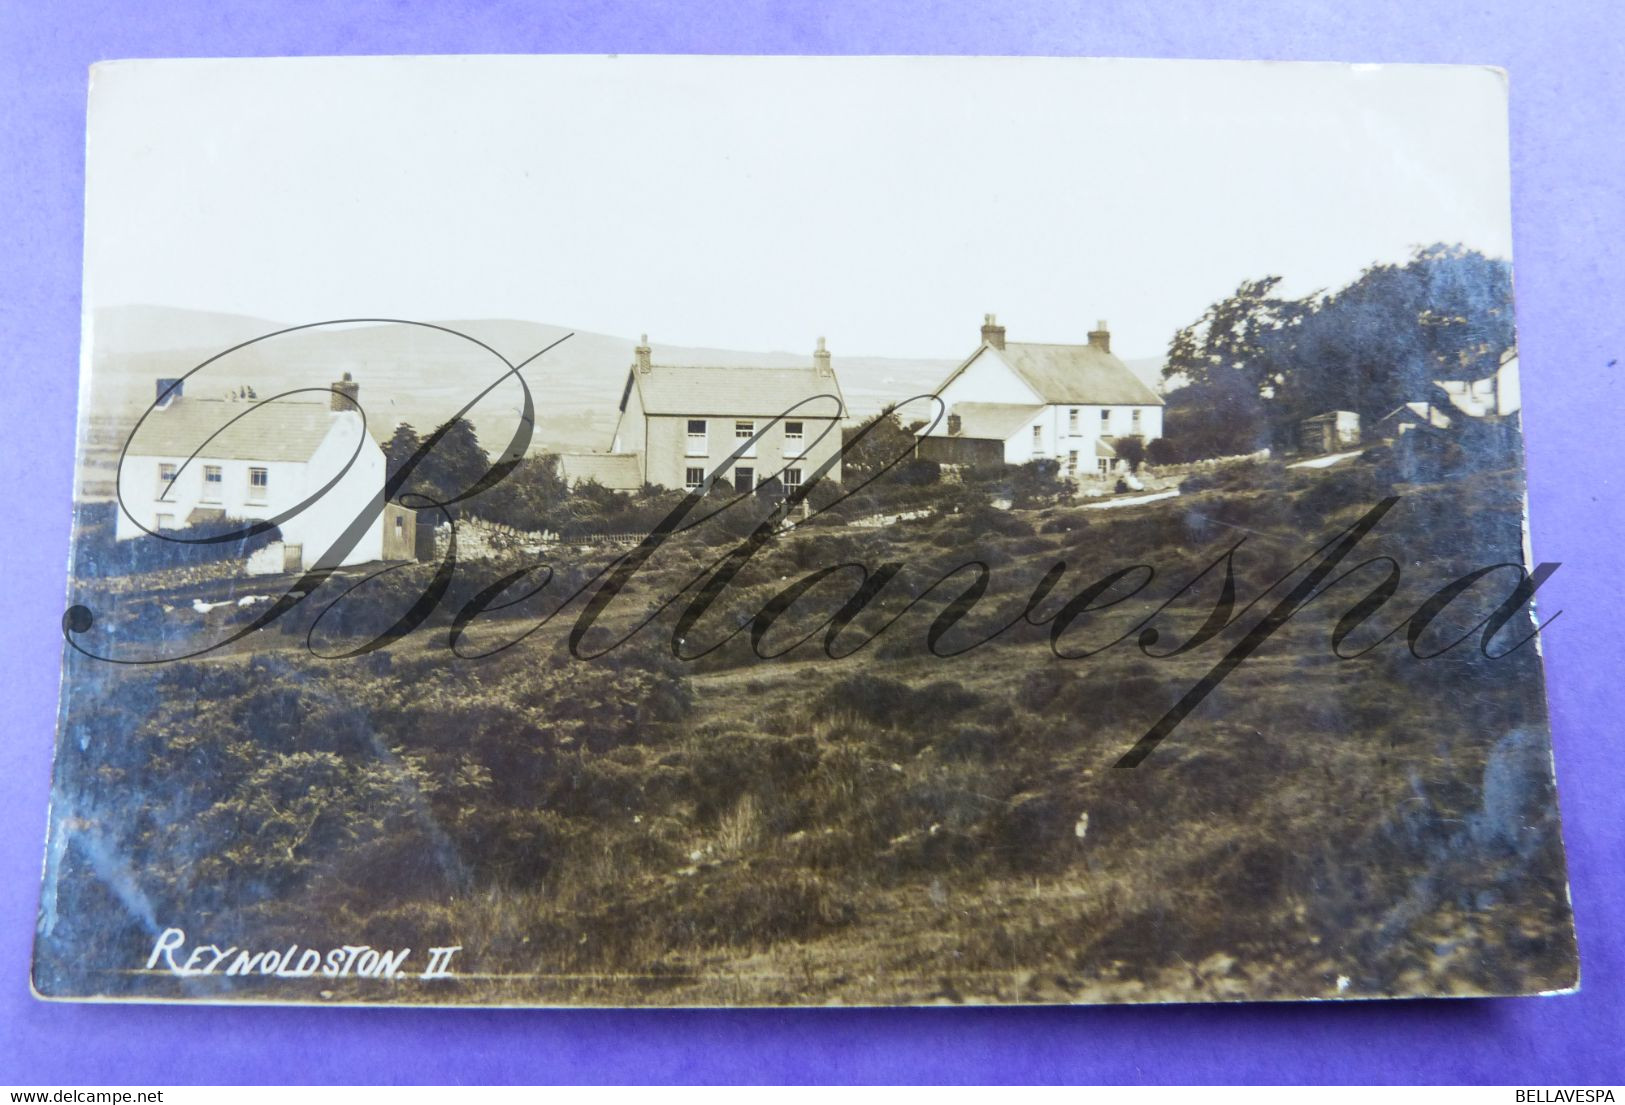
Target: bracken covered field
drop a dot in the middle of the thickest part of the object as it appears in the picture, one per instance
(892, 826)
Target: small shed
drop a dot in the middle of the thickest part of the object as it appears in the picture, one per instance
(1329, 432)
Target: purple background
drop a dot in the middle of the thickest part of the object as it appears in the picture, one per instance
(1567, 68)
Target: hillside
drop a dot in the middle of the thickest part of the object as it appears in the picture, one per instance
(890, 826)
(422, 376)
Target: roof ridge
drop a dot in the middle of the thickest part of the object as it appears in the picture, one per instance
(742, 367)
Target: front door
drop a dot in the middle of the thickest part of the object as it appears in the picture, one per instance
(293, 558)
(744, 479)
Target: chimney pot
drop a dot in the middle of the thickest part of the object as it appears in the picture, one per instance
(992, 332)
(1100, 337)
(345, 395)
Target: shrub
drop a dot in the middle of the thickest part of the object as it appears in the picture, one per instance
(918, 472)
(99, 554)
(1162, 451)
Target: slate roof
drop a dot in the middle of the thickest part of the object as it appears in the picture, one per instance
(281, 431)
(724, 391)
(616, 471)
(1082, 374)
(1430, 413)
(987, 421)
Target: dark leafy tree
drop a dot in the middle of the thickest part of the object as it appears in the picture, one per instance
(1162, 451)
(453, 466)
(1446, 314)
(871, 452)
(532, 497)
(1256, 364)
(1131, 450)
(1236, 336)
(401, 446)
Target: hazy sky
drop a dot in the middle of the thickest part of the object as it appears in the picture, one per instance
(755, 203)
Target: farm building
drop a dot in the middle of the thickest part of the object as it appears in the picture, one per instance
(1495, 396)
(195, 461)
(1014, 402)
(1410, 417)
(684, 423)
(1329, 432)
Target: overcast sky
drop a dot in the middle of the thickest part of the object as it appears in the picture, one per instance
(755, 203)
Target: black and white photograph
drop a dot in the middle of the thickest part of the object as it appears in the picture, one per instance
(736, 531)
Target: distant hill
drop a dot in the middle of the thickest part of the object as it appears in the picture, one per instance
(1149, 371)
(422, 376)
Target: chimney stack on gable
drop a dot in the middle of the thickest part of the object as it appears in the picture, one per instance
(169, 389)
(992, 332)
(821, 361)
(1100, 337)
(642, 353)
(345, 394)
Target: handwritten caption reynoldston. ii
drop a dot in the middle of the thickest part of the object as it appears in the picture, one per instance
(169, 953)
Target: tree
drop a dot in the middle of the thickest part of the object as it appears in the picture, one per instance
(450, 468)
(1220, 417)
(1446, 314)
(401, 446)
(1232, 359)
(533, 496)
(1162, 451)
(1255, 364)
(1238, 335)
(1131, 450)
(870, 452)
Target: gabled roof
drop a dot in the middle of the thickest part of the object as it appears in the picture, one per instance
(616, 471)
(280, 431)
(1431, 413)
(727, 391)
(1083, 374)
(987, 421)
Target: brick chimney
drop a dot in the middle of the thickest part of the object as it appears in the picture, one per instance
(1100, 337)
(168, 390)
(955, 425)
(642, 353)
(992, 332)
(345, 393)
(821, 361)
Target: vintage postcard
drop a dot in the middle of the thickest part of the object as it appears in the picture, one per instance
(776, 531)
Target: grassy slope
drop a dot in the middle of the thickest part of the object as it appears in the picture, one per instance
(898, 827)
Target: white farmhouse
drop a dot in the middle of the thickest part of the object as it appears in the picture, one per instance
(1495, 396)
(1021, 401)
(205, 460)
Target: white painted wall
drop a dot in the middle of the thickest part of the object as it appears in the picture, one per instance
(140, 489)
(318, 525)
(1059, 438)
(987, 379)
(1508, 397)
(289, 482)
